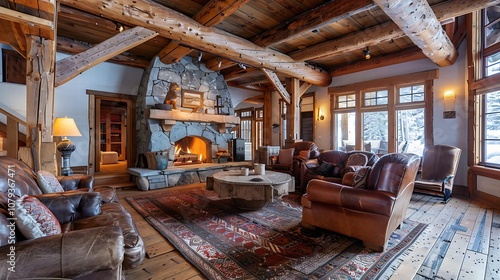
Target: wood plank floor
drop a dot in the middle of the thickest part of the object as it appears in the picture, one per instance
(461, 241)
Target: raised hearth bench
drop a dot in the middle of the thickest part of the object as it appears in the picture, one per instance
(149, 179)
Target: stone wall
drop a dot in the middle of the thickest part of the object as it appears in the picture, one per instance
(190, 75)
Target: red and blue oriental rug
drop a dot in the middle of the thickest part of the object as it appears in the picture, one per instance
(224, 242)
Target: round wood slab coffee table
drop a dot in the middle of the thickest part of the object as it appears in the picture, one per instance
(251, 192)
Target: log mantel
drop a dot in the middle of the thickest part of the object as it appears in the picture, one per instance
(169, 118)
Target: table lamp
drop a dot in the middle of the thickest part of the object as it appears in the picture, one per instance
(65, 127)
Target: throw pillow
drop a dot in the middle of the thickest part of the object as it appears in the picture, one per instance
(325, 169)
(285, 156)
(48, 182)
(34, 219)
(360, 176)
(356, 159)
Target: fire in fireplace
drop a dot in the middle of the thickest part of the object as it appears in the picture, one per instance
(191, 150)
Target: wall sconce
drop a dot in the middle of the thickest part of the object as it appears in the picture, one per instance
(321, 114)
(367, 53)
(66, 127)
(449, 105)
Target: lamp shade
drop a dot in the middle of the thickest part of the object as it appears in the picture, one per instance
(65, 127)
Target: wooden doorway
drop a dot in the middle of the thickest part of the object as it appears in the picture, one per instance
(307, 117)
(112, 132)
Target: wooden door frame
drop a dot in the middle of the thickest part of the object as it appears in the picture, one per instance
(314, 110)
(95, 98)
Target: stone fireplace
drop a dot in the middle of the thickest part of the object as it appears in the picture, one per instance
(207, 126)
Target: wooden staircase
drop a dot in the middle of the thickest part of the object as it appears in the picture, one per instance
(117, 180)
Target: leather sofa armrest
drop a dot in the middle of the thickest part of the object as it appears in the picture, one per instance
(68, 207)
(324, 192)
(348, 179)
(68, 255)
(311, 163)
(74, 182)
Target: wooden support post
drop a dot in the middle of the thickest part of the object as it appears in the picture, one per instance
(268, 119)
(12, 137)
(39, 93)
(293, 112)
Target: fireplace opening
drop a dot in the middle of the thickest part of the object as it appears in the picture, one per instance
(192, 150)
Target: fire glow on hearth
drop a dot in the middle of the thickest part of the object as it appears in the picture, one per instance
(190, 150)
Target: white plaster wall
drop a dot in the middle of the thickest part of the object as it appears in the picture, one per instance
(72, 100)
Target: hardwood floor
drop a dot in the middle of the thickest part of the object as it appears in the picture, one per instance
(461, 241)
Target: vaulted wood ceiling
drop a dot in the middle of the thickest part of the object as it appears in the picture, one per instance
(308, 39)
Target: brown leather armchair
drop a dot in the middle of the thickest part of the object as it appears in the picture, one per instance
(302, 151)
(85, 214)
(371, 213)
(439, 166)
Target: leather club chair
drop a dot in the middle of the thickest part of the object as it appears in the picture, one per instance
(85, 214)
(370, 213)
(439, 166)
(302, 151)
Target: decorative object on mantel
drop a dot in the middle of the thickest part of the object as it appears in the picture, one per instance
(171, 98)
(227, 243)
(192, 99)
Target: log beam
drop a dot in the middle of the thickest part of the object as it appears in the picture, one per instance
(217, 64)
(386, 31)
(419, 23)
(211, 14)
(72, 66)
(23, 18)
(71, 46)
(273, 78)
(176, 26)
(321, 16)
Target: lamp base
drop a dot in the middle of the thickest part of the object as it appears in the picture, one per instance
(66, 148)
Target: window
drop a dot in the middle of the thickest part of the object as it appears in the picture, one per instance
(386, 119)
(283, 124)
(259, 127)
(487, 97)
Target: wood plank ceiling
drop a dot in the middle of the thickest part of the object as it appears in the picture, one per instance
(308, 39)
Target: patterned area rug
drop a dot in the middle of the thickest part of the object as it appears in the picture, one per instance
(227, 243)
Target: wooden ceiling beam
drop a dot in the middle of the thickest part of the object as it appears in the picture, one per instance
(173, 25)
(23, 18)
(211, 14)
(386, 31)
(419, 23)
(321, 16)
(242, 73)
(273, 78)
(70, 67)
(249, 87)
(410, 54)
(7, 36)
(70, 46)
(218, 64)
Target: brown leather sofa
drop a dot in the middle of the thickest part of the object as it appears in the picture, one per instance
(337, 160)
(299, 158)
(371, 213)
(99, 238)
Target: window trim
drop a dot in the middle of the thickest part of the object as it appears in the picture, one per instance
(392, 84)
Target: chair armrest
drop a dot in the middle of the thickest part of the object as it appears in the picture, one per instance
(348, 179)
(68, 207)
(68, 255)
(74, 182)
(324, 192)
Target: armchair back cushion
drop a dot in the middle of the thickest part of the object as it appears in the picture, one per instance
(285, 156)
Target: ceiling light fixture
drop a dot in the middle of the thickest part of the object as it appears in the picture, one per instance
(119, 27)
(366, 53)
(219, 62)
(242, 66)
(200, 55)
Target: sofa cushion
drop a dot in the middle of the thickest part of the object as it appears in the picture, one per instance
(360, 176)
(34, 219)
(48, 183)
(356, 159)
(285, 156)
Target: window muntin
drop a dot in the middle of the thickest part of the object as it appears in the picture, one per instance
(346, 101)
(409, 94)
(374, 98)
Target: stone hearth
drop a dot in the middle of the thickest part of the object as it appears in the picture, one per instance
(148, 179)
